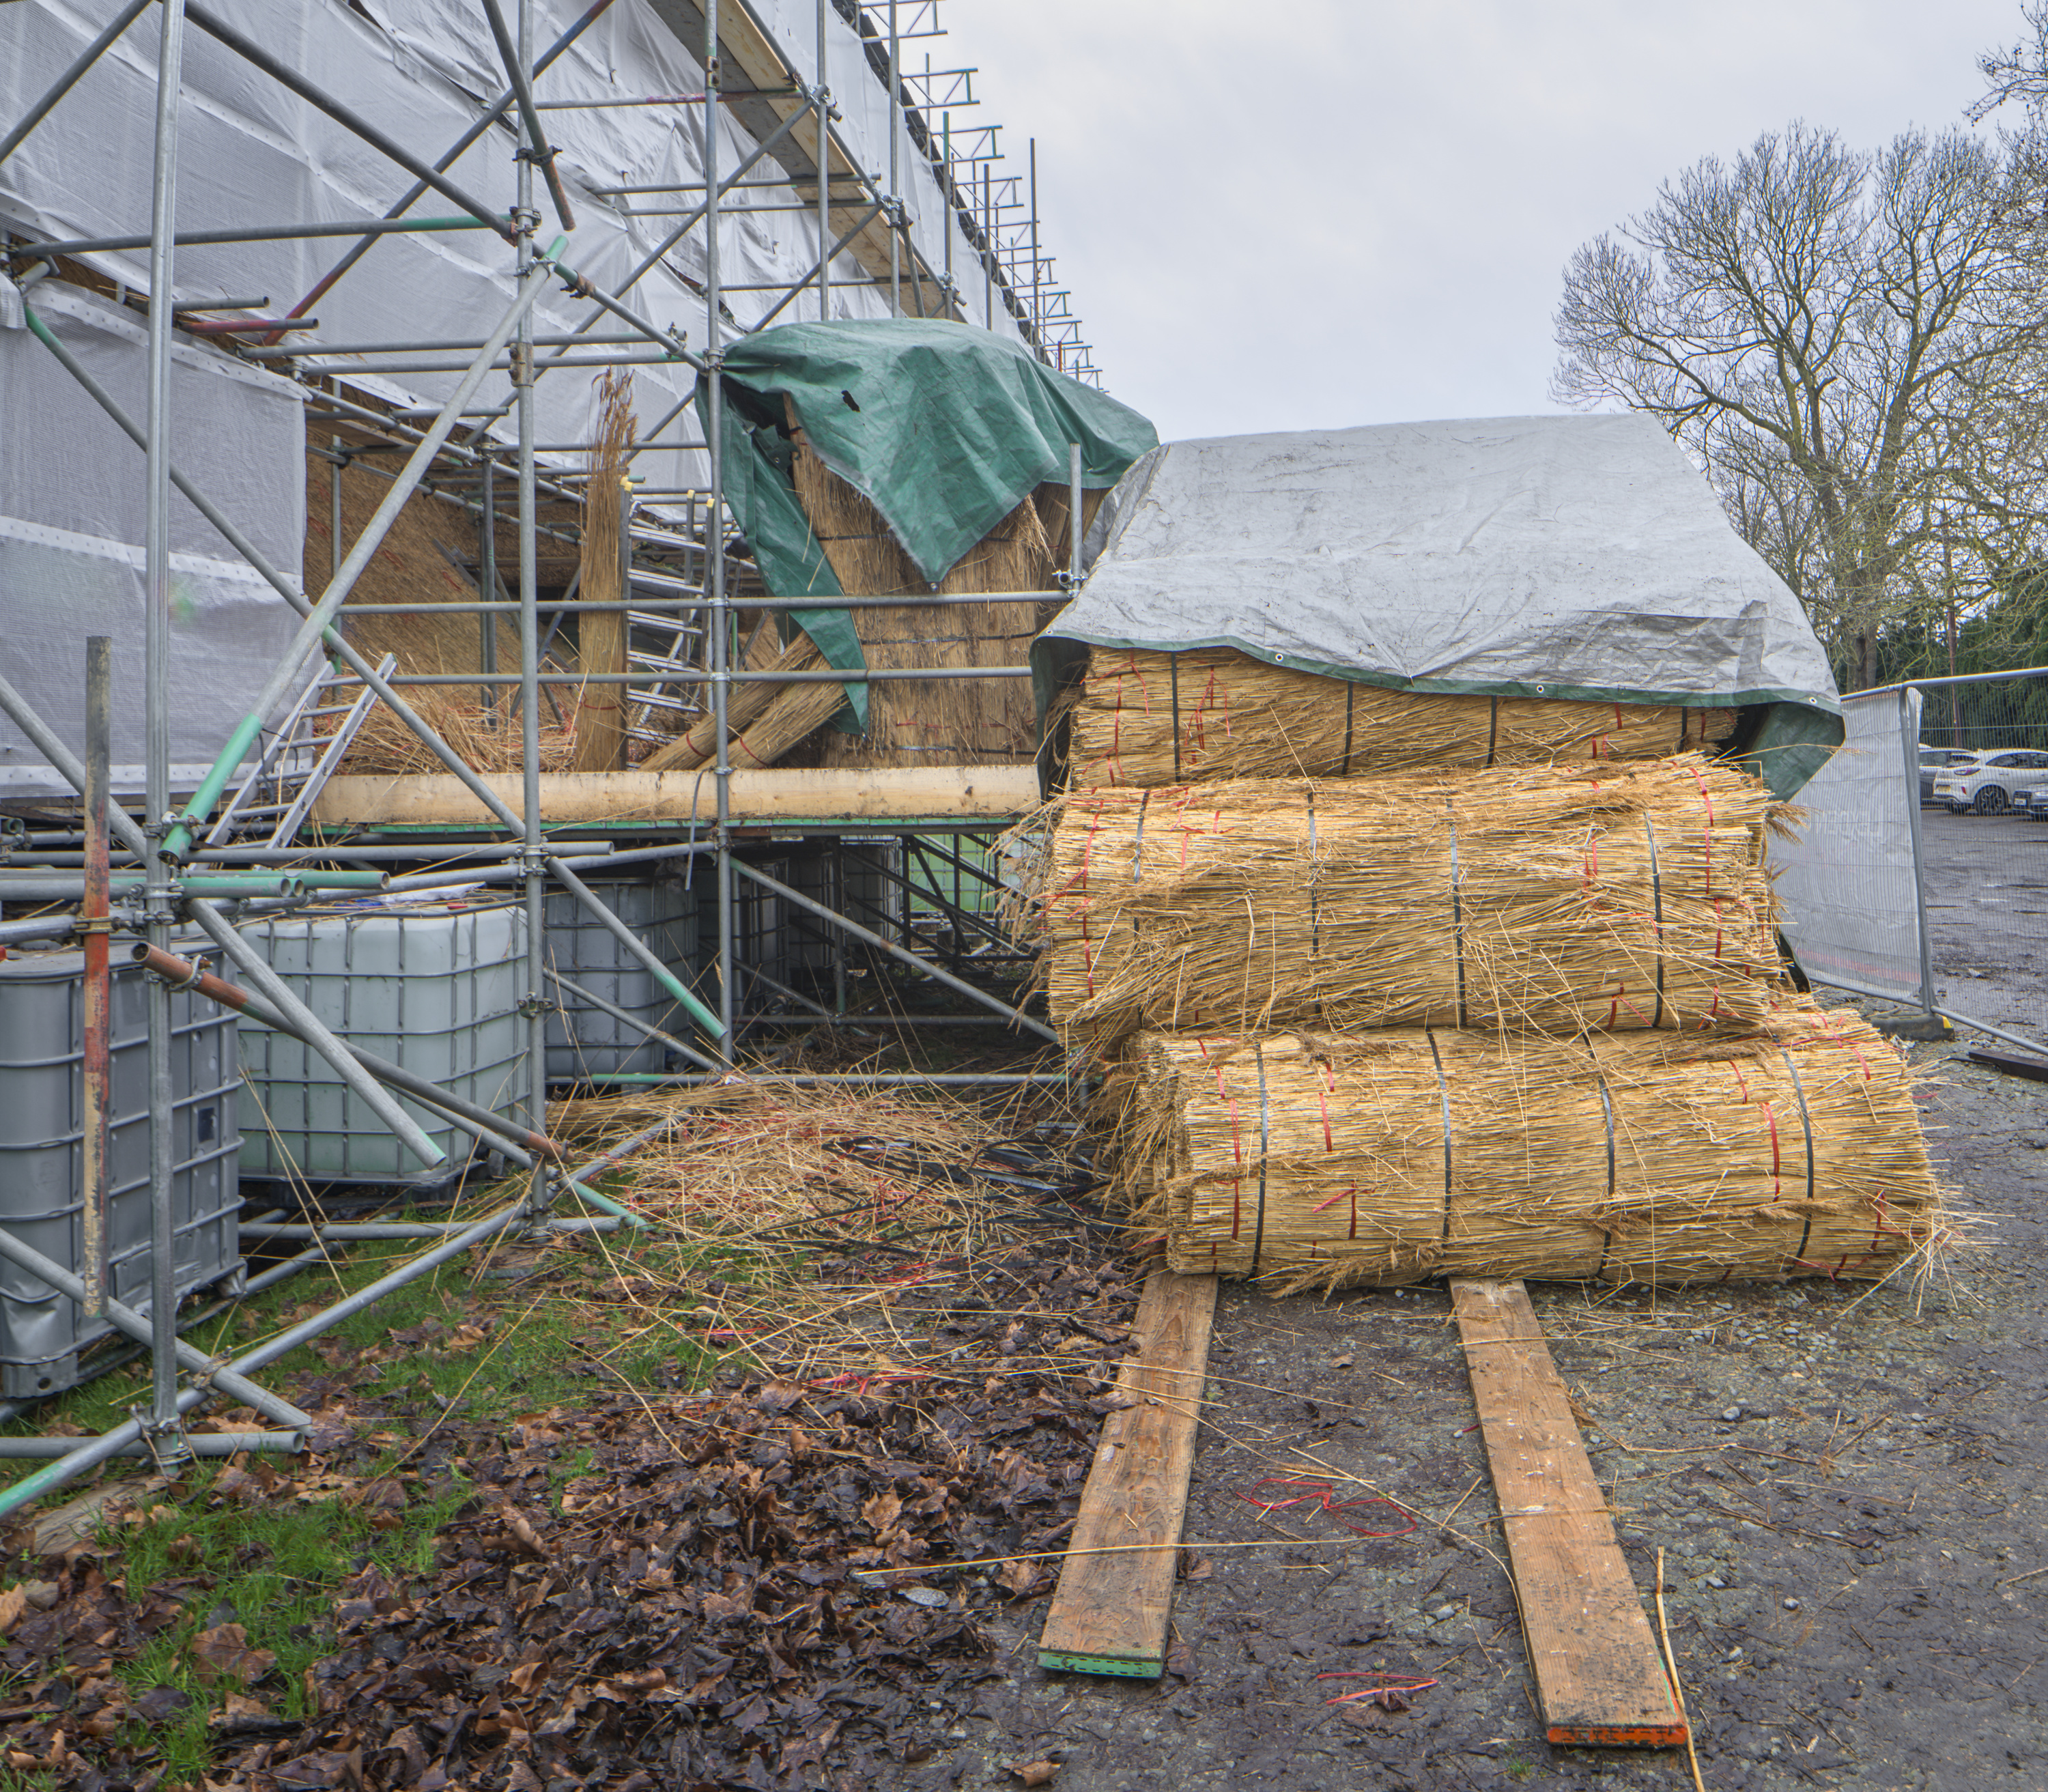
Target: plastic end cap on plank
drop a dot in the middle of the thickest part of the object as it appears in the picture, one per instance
(1129, 1667)
(1672, 1735)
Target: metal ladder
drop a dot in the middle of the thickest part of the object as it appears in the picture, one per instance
(661, 643)
(297, 759)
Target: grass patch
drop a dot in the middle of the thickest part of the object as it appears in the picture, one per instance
(450, 1359)
(537, 1325)
(269, 1565)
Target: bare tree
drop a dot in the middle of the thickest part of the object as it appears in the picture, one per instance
(1821, 327)
(2018, 75)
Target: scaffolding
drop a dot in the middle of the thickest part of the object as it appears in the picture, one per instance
(921, 895)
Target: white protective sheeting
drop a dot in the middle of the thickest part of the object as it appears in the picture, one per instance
(71, 526)
(253, 152)
(1851, 909)
(1564, 556)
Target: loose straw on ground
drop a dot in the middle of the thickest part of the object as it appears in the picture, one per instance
(1671, 1668)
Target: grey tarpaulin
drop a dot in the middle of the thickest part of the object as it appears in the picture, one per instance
(1568, 556)
(72, 504)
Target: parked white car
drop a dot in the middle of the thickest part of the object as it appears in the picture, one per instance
(1986, 786)
(1936, 760)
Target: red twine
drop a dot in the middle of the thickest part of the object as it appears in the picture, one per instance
(1294, 1492)
(1392, 1696)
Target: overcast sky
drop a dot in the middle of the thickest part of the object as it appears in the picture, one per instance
(1279, 217)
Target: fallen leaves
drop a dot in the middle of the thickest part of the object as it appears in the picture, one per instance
(523, 1533)
(1020, 1578)
(752, 1588)
(223, 1652)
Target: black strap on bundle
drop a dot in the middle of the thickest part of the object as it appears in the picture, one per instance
(1315, 887)
(1265, 1148)
(1805, 1120)
(1173, 680)
(1444, 1091)
(1457, 912)
(1351, 700)
(1607, 1108)
(1657, 903)
(1492, 728)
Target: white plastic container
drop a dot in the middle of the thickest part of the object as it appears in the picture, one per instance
(433, 987)
(42, 1100)
(584, 1042)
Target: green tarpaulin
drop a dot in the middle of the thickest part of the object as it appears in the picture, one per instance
(945, 428)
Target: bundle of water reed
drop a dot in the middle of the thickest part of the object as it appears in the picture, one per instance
(746, 702)
(932, 721)
(1618, 896)
(600, 709)
(1302, 1160)
(1150, 719)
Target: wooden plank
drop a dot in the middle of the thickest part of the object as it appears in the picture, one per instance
(2013, 1064)
(436, 799)
(1599, 1671)
(1110, 1612)
(744, 44)
(53, 1532)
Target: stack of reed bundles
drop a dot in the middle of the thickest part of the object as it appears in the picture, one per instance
(1620, 896)
(1301, 1161)
(1152, 719)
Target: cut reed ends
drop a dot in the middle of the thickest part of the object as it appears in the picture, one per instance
(1616, 896)
(1152, 719)
(1301, 1160)
(746, 703)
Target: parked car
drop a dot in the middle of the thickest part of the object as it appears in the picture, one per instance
(1935, 760)
(1985, 785)
(2032, 803)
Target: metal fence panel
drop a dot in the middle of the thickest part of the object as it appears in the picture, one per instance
(1852, 913)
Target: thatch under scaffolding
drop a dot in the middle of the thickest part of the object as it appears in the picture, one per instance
(415, 563)
(934, 721)
(1305, 1161)
(1153, 719)
(1618, 896)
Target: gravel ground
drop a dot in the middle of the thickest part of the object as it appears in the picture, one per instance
(1845, 1485)
(1988, 915)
